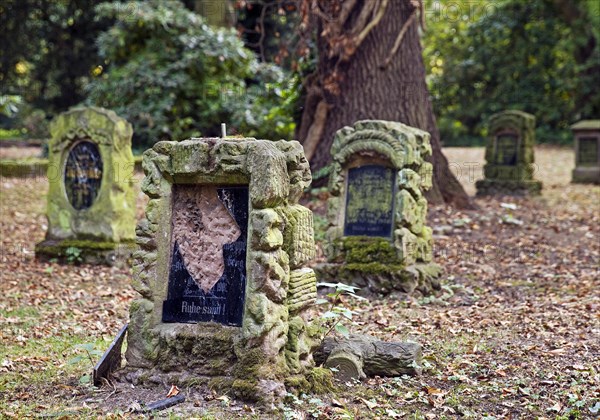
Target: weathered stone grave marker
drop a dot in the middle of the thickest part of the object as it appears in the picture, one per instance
(377, 238)
(221, 268)
(587, 151)
(510, 156)
(91, 202)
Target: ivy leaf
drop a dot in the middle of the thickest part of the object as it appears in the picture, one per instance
(330, 315)
(341, 328)
(75, 360)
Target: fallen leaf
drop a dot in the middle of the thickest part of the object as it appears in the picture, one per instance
(173, 391)
(370, 404)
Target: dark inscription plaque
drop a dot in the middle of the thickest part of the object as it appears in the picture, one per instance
(83, 174)
(370, 201)
(224, 302)
(588, 151)
(506, 149)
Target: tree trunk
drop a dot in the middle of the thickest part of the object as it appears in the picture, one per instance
(367, 88)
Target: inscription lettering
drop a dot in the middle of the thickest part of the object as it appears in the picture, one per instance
(588, 150)
(370, 201)
(506, 149)
(222, 302)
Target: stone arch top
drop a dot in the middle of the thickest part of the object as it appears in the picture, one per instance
(400, 144)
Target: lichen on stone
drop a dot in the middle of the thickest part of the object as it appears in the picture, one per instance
(377, 262)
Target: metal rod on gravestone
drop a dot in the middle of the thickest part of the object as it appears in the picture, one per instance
(223, 130)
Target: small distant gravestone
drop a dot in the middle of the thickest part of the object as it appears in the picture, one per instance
(510, 156)
(91, 201)
(222, 267)
(587, 151)
(377, 236)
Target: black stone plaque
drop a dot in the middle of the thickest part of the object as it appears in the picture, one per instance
(506, 149)
(370, 201)
(588, 150)
(224, 303)
(83, 174)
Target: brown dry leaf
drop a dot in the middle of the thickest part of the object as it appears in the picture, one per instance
(173, 391)
(337, 403)
(556, 407)
(435, 391)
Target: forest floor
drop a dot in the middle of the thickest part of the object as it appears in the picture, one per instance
(514, 333)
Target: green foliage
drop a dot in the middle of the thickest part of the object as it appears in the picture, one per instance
(9, 104)
(333, 318)
(486, 57)
(89, 351)
(173, 76)
(48, 51)
(73, 255)
(273, 100)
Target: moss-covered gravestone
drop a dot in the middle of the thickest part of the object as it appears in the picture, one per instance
(221, 268)
(377, 237)
(91, 201)
(510, 156)
(587, 151)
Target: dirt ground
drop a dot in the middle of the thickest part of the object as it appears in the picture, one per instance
(514, 333)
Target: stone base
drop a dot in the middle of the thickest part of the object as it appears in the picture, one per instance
(209, 354)
(504, 187)
(375, 278)
(86, 251)
(205, 354)
(589, 175)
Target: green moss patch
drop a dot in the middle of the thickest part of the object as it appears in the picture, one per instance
(367, 250)
(23, 168)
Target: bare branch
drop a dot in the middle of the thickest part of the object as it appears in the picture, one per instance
(365, 15)
(372, 24)
(347, 8)
(315, 132)
(399, 39)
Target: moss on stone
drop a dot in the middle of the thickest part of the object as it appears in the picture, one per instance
(321, 380)
(366, 250)
(111, 217)
(372, 268)
(83, 250)
(220, 383)
(297, 384)
(22, 168)
(246, 390)
(249, 364)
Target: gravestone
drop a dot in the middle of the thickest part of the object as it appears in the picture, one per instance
(91, 201)
(587, 151)
(510, 156)
(222, 268)
(377, 237)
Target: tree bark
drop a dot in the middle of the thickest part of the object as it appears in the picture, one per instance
(374, 84)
